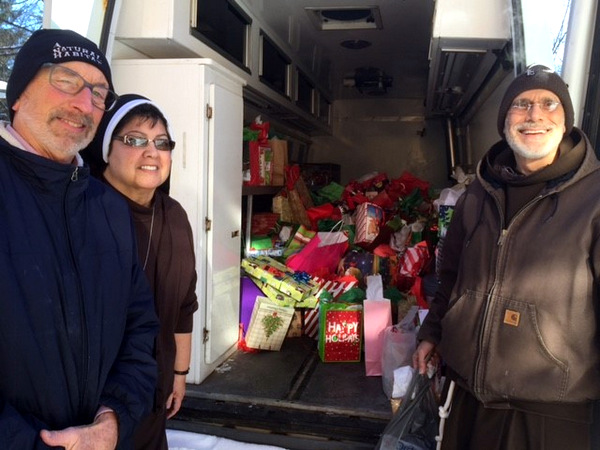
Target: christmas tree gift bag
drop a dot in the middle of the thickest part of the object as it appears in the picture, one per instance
(268, 325)
(340, 332)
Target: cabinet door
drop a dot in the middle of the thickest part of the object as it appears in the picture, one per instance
(224, 212)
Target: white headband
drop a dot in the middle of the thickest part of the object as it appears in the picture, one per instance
(116, 118)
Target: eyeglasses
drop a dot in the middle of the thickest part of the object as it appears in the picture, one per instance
(70, 82)
(165, 144)
(523, 105)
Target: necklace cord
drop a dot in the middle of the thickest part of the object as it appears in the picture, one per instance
(149, 237)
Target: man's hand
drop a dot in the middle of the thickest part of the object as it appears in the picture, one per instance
(422, 355)
(100, 435)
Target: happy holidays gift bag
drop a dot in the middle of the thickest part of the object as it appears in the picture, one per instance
(340, 332)
(377, 312)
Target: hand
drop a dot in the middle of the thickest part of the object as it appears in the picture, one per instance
(100, 435)
(423, 354)
(176, 398)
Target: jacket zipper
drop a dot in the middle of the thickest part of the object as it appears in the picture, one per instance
(478, 371)
(84, 337)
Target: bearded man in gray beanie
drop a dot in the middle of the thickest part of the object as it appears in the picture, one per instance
(77, 320)
(515, 317)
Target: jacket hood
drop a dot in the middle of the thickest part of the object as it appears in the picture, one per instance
(577, 160)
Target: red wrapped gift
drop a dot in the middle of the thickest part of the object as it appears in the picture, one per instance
(261, 164)
(263, 223)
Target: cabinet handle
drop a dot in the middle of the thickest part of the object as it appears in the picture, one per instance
(235, 233)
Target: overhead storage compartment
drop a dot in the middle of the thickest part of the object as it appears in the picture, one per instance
(236, 39)
(468, 38)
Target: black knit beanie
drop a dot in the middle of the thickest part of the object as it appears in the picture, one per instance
(537, 77)
(51, 46)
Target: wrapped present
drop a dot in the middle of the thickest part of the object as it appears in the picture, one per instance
(261, 167)
(360, 264)
(368, 218)
(263, 223)
(279, 298)
(414, 260)
(268, 325)
(295, 329)
(297, 285)
(340, 332)
(248, 293)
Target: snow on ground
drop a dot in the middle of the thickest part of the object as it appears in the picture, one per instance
(185, 440)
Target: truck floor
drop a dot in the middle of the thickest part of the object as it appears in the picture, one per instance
(288, 398)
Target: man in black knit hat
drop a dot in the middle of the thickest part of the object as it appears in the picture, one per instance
(515, 318)
(77, 321)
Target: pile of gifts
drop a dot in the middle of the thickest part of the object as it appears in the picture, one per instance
(372, 225)
(330, 242)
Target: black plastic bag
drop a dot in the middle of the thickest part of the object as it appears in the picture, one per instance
(416, 423)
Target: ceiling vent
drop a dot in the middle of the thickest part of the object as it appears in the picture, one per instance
(369, 80)
(345, 17)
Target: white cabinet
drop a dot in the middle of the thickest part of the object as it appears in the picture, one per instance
(204, 105)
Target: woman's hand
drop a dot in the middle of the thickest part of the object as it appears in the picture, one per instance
(176, 398)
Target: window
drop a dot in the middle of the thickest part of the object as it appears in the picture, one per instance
(274, 66)
(545, 40)
(324, 110)
(305, 93)
(224, 27)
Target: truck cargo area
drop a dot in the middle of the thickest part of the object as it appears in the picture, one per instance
(288, 398)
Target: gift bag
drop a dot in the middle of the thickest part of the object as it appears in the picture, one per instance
(415, 424)
(281, 206)
(280, 160)
(377, 317)
(330, 289)
(340, 332)
(268, 325)
(322, 254)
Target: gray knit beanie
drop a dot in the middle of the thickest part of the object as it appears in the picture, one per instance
(51, 46)
(537, 77)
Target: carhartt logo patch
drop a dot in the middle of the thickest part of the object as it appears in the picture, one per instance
(512, 317)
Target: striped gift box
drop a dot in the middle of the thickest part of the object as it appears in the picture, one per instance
(335, 288)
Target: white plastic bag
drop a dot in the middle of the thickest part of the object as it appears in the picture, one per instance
(399, 344)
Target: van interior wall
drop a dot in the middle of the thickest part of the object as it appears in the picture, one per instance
(483, 131)
(384, 135)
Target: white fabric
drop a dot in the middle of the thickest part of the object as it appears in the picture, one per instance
(185, 440)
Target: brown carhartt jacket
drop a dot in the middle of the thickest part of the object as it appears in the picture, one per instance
(516, 315)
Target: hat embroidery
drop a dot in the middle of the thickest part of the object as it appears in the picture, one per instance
(61, 51)
(531, 71)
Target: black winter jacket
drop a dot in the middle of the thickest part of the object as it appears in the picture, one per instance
(516, 317)
(77, 322)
